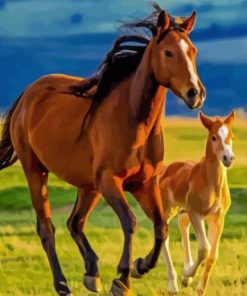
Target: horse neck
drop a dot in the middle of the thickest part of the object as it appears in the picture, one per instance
(215, 170)
(147, 96)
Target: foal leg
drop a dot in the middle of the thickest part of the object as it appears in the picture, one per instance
(149, 198)
(198, 224)
(111, 188)
(86, 201)
(184, 227)
(37, 181)
(215, 228)
(172, 275)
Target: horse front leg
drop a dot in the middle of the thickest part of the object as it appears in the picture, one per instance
(184, 228)
(111, 188)
(171, 272)
(204, 247)
(85, 203)
(215, 228)
(149, 198)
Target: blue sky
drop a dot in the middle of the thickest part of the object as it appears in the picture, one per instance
(38, 37)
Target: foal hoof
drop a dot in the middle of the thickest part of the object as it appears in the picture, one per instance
(119, 289)
(63, 290)
(92, 283)
(200, 291)
(173, 287)
(134, 270)
(186, 281)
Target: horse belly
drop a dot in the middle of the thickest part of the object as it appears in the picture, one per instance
(68, 161)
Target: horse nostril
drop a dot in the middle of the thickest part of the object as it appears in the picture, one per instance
(224, 158)
(193, 92)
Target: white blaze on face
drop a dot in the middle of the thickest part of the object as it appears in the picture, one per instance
(227, 148)
(193, 77)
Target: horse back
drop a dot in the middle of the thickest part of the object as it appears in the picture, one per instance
(50, 120)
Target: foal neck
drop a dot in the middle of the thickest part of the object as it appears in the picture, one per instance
(215, 170)
(147, 96)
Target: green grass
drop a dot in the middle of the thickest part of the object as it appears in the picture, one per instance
(24, 269)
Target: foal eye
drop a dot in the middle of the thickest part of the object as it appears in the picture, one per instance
(213, 138)
(168, 54)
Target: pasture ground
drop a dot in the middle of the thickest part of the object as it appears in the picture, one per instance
(24, 268)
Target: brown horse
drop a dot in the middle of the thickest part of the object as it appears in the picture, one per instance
(103, 136)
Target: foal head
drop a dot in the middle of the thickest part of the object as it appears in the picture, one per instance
(220, 137)
(173, 59)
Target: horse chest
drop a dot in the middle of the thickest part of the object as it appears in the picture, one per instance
(132, 182)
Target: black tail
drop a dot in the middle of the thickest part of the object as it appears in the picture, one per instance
(7, 152)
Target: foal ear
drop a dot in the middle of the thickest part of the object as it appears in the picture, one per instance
(230, 117)
(189, 22)
(163, 20)
(206, 121)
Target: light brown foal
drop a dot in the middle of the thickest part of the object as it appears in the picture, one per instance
(199, 192)
(103, 136)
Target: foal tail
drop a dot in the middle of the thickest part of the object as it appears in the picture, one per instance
(7, 152)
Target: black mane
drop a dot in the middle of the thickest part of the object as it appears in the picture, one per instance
(122, 60)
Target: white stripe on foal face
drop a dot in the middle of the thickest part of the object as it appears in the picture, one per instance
(193, 77)
(227, 153)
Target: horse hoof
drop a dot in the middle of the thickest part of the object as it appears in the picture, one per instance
(63, 290)
(200, 292)
(92, 283)
(173, 287)
(186, 281)
(119, 289)
(134, 270)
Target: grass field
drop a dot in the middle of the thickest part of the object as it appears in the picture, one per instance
(24, 268)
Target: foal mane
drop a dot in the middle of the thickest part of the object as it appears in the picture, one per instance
(126, 55)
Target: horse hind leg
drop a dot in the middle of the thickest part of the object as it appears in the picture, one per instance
(37, 181)
(111, 188)
(86, 201)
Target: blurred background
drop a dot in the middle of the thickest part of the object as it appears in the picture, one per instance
(38, 37)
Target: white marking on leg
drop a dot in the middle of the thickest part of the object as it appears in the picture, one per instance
(172, 275)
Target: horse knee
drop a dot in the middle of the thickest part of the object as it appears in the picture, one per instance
(129, 224)
(73, 225)
(161, 230)
(211, 262)
(45, 230)
(204, 253)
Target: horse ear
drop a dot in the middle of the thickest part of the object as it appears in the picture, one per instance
(206, 121)
(188, 23)
(163, 20)
(230, 117)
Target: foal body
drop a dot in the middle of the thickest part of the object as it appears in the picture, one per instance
(199, 192)
(105, 149)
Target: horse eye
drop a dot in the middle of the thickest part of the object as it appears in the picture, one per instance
(168, 54)
(213, 138)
